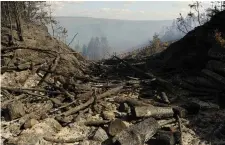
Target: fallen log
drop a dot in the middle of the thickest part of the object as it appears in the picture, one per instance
(190, 87)
(165, 122)
(165, 138)
(137, 134)
(214, 76)
(18, 68)
(61, 140)
(217, 53)
(96, 122)
(83, 96)
(201, 82)
(180, 128)
(47, 75)
(20, 89)
(216, 66)
(91, 100)
(30, 93)
(162, 83)
(164, 98)
(110, 92)
(61, 89)
(151, 111)
(30, 48)
(130, 101)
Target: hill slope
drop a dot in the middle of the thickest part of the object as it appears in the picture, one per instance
(38, 50)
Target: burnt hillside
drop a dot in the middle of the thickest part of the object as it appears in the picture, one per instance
(192, 50)
(52, 95)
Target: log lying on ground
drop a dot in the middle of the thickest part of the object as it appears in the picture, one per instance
(47, 75)
(165, 138)
(138, 134)
(201, 82)
(180, 128)
(30, 93)
(216, 66)
(91, 100)
(29, 48)
(58, 140)
(214, 76)
(83, 96)
(130, 101)
(164, 98)
(20, 89)
(197, 89)
(21, 67)
(151, 111)
(217, 53)
(96, 122)
(162, 83)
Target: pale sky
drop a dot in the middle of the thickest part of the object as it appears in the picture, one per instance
(126, 10)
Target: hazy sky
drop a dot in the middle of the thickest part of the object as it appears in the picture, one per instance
(127, 10)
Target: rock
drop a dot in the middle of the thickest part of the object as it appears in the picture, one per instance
(32, 139)
(24, 66)
(35, 134)
(108, 115)
(14, 128)
(116, 127)
(100, 135)
(56, 101)
(29, 123)
(66, 119)
(53, 124)
(15, 110)
(137, 134)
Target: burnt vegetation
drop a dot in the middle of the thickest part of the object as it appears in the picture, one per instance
(165, 93)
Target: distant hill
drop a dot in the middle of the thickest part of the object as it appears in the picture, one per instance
(121, 34)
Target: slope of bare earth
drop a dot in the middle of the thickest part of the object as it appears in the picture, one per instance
(38, 49)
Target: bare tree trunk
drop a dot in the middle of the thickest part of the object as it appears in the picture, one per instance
(18, 22)
(50, 16)
(197, 9)
(11, 42)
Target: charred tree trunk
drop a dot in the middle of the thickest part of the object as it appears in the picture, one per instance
(18, 21)
(11, 42)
